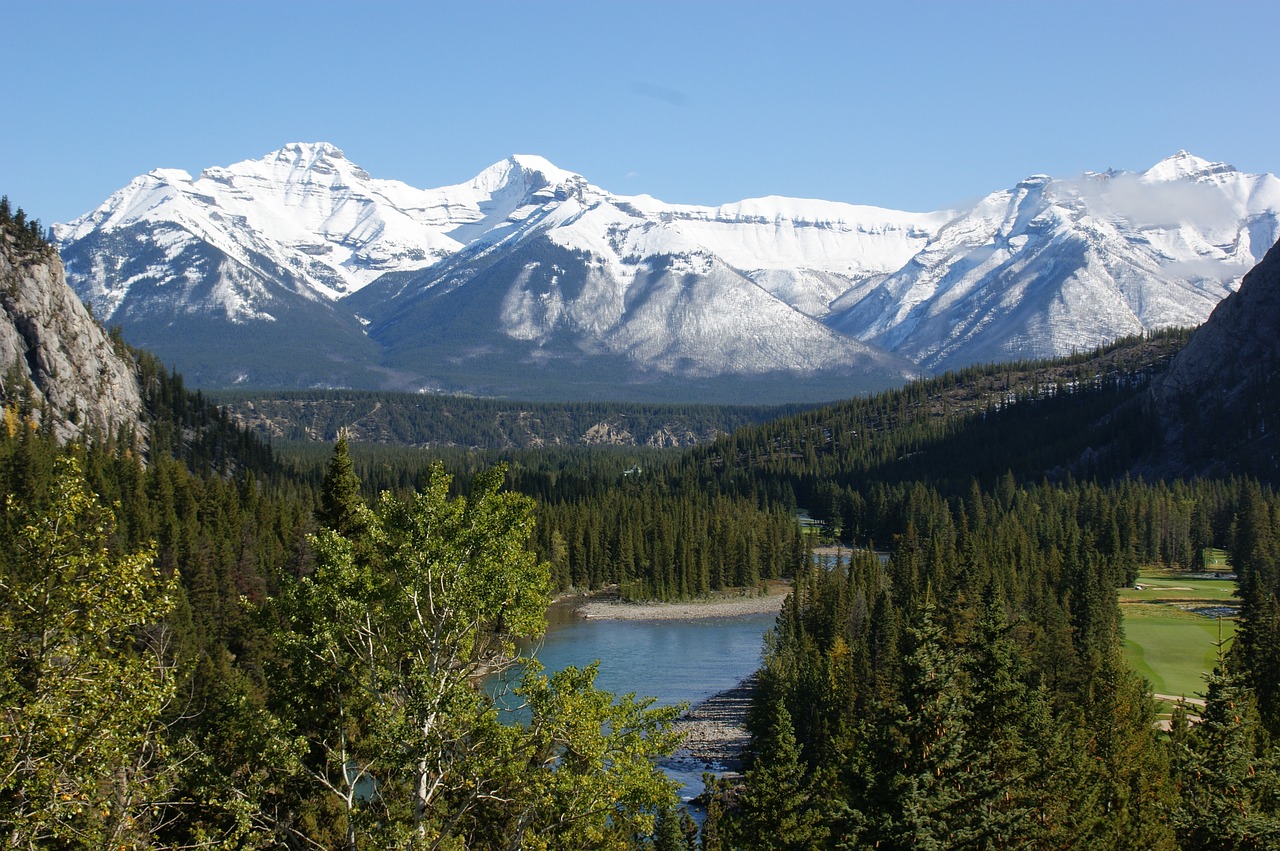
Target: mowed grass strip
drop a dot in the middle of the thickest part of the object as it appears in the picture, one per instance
(1180, 589)
(1172, 648)
(1214, 559)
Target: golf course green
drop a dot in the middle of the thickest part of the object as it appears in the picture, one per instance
(1172, 625)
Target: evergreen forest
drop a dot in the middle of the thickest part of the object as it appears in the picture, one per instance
(210, 641)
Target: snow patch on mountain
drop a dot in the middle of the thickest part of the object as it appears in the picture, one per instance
(1054, 266)
(558, 267)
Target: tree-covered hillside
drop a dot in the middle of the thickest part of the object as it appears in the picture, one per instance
(967, 689)
(430, 421)
(210, 642)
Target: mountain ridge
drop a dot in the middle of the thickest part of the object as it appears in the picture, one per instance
(1219, 402)
(516, 280)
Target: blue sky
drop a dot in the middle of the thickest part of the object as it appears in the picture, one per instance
(915, 106)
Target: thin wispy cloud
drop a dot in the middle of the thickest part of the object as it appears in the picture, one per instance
(653, 91)
(1146, 203)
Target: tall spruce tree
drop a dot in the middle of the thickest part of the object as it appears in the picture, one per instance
(1008, 722)
(341, 507)
(1227, 772)
(777, 812)
(925, 783)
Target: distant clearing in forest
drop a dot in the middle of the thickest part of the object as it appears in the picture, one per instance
(1215, 559)
(1171, 628)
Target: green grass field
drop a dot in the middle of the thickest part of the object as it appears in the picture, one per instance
(1215, 559)
(1170, 646)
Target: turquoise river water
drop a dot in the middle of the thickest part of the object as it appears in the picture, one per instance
(672, 661)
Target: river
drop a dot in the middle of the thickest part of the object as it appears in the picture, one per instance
(670, 660)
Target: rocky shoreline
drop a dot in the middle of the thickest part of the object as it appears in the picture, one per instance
(724, 606)
(715, 732)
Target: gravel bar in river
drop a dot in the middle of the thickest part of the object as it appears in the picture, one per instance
(715, 732)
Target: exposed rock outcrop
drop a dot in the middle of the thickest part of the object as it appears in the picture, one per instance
(49, 339)
(608, 433)
(1219, 402)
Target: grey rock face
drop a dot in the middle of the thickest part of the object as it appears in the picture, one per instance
(48, 337)
(1219, 403)
(1240, 339)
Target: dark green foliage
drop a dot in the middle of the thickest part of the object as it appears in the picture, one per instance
(26, 235)
(654, 544)
(969, 691)
(1227, 772)
(675, 831)
(932, 785)
(779, 810)
(609, 516)
(340, 501)
(1020, 756)
(1079, 415)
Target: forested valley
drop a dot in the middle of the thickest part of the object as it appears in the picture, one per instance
(213, 642)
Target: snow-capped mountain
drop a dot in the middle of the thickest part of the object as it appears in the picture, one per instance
(1053, 266)
(306, 209)
(637, 291)
(299, 269)
(262, 273)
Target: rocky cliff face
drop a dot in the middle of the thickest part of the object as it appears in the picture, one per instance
(1219, 403)
(51, 348)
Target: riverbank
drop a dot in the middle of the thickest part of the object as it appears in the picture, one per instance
(602, 607)
(715, 733)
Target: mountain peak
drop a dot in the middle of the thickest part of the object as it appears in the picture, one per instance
(533, 162)
(528, 172)
(1181, 166)
(528, 263)
(293, 163)
(310, 150)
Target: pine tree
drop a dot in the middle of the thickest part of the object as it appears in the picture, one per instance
(341, 508)
(777, 811)
(924, 793)
(1227, 773)
(1130, 762)
(1007, 719)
